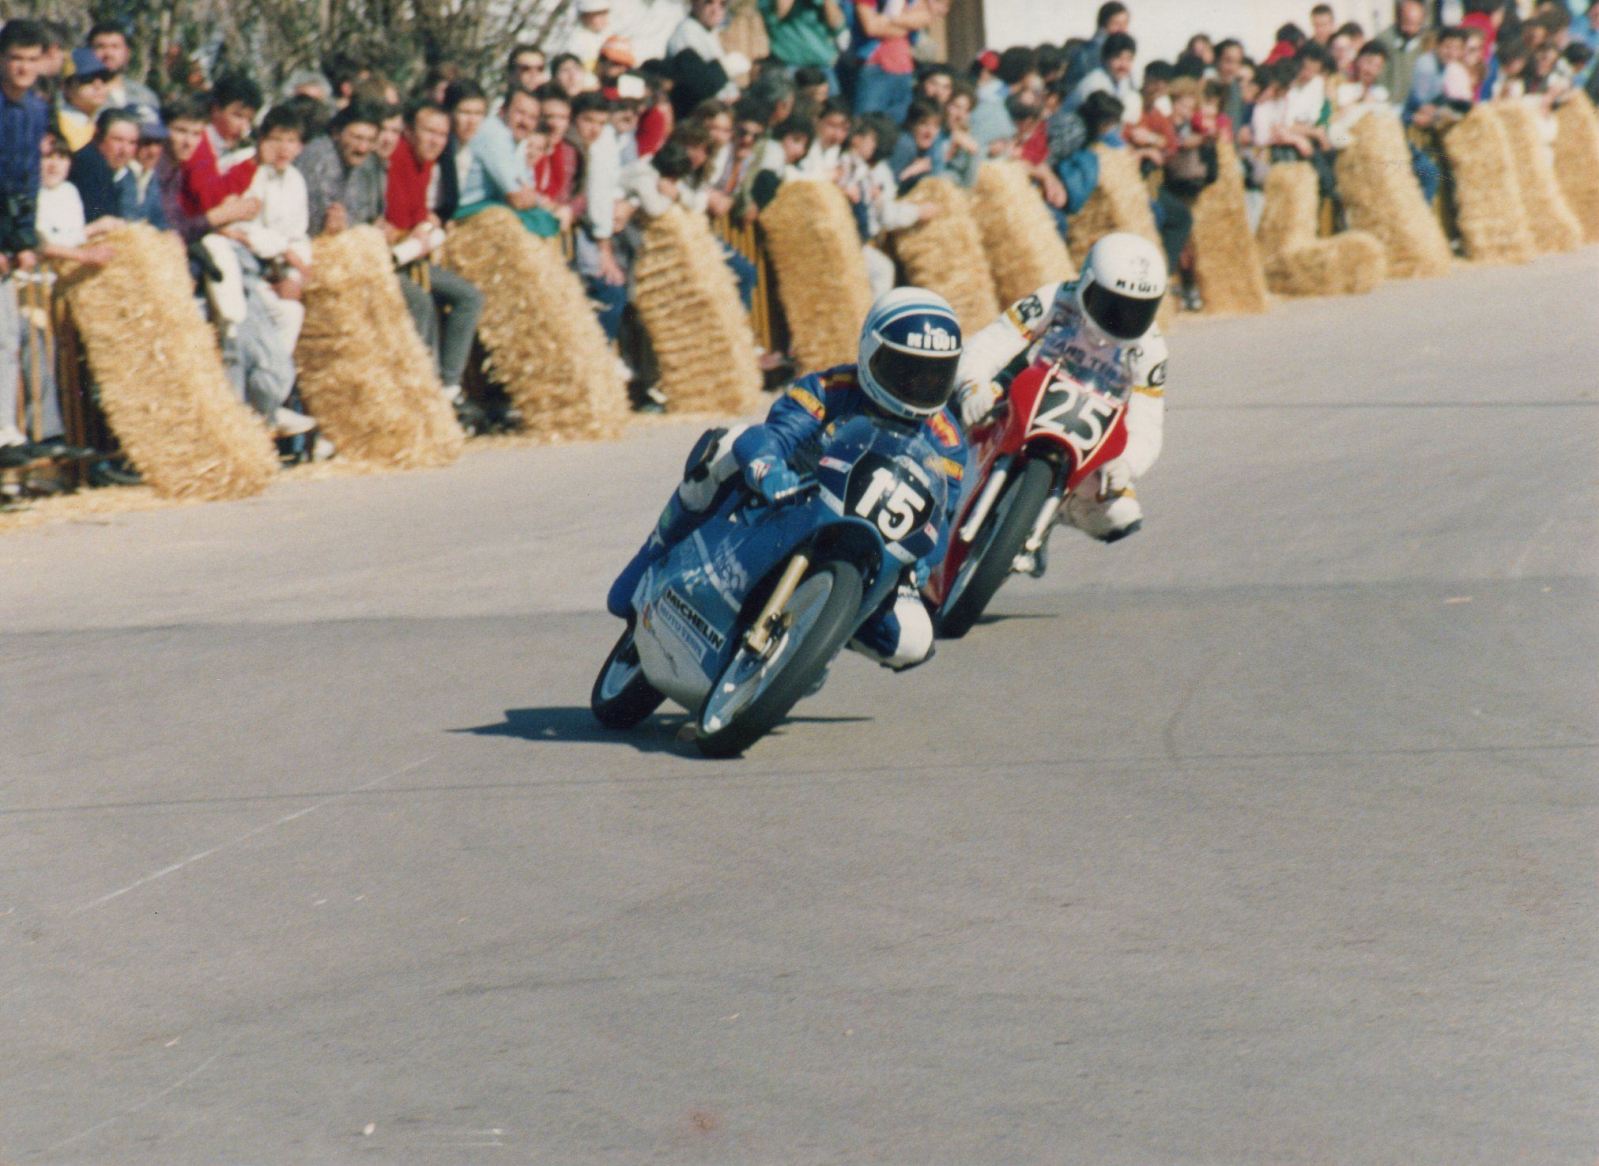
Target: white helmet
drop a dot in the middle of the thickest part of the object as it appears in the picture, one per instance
(910, 346)
(1122, 284)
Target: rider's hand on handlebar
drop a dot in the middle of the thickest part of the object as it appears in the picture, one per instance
(772, 479)
(977, 402)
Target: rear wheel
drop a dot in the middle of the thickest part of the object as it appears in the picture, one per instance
(755, 692)
(1004, 533)
(622, 696)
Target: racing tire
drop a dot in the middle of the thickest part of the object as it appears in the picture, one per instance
(999, 542)
(622, 696)
(798, 663)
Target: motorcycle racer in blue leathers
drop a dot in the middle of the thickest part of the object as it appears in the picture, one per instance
(909, 349)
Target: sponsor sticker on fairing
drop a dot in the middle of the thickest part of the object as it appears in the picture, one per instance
(689, 625)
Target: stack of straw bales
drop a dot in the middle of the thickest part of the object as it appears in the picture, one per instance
(543, 341)
(365, 374)
(1297, 262)
(1381, 195)
(1577, 161)
(1226, 257)
(1119, 203)
(1489, 211)
(945, 254)
(1025, 251)
(1553, 224)
(815, 248)
(160, 373)
(689, 302)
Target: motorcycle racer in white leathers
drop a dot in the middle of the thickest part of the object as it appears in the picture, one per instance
(1101, 327)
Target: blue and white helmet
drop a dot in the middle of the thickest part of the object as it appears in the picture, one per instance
(910, 345)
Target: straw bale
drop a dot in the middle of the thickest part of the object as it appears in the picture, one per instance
(542, 339)
(1577, 161)
(1298, 263)
(1490, 213)
(160, 373)
(1024, 249)
(365, 374)
(1553, 223)
(1349, 263)
(689, 302)
(1119, 203)
(1289, 218)
(815, 248)
(1226, 256)
(1381, 195)
(945, 254)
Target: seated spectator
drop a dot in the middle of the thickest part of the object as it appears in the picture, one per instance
(186, 122)
(100, 170)
(962, 152)
(913, 157)
(1362, 94)
(1186, 170)
(571, 75)
(813, 86)
(526, 68)
(934, 86)
(146, 192)
(827, 149)
(1071, 160)
(279, 234)
(1114, 76)
(1343, 48)
(109, 41)
(997, 75)
(1290, 39)
(218, 167)
(555, 175)
(416, 208)
(84, 96)
(868, 182)
(497, 172)
(751, 152)
(344, 181)
(1430, 104)
(599, 260)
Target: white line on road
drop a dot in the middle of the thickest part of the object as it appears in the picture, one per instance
(247, 835)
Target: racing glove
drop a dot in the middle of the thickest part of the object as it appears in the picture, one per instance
(977, 402)
(771, 478)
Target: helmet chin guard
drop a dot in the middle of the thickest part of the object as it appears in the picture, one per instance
(910, 346)
(1122, 285)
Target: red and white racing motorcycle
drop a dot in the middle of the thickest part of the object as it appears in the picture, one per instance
(1049, 434)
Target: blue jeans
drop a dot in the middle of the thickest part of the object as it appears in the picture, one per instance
(743, 272)
(886, 93)
(610, 301)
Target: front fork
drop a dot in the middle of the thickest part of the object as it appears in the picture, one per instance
(773, 620)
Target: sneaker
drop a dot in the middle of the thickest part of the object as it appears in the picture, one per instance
(1109, 520)
(322, 449)
(1191, 300)
(11, 435)
(650, 400)
(288, 423)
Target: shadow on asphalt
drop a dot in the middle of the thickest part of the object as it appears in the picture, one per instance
(571, 724)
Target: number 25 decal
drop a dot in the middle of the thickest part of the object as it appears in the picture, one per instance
(894, 505)
(1083, 418)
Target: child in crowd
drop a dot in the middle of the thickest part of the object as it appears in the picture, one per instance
(279, 235)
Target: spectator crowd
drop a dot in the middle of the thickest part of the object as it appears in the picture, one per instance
(634, 111)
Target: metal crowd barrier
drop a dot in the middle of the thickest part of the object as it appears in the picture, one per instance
(745, 238)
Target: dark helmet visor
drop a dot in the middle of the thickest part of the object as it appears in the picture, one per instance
(922, 380)
(1120, 316)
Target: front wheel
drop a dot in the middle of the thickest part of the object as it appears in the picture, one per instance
(755, 692)
(622, 695)
(1003, 535)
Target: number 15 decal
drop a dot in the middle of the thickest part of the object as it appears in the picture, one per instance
(893, 504)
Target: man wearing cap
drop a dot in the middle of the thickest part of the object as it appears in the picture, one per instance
(588, 36)
(109, 42)
(86, 92)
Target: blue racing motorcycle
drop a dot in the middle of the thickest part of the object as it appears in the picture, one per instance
(740, 620)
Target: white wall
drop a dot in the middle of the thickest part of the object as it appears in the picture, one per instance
(1162, 27)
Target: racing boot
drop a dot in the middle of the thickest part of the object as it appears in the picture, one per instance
(1103, 511)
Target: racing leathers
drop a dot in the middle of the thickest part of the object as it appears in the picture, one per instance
(1050, 325)
(899, 634)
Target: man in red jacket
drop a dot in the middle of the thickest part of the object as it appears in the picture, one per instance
(414, 205)
(214, 171)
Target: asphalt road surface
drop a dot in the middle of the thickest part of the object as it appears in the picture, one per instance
(1265, 837)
